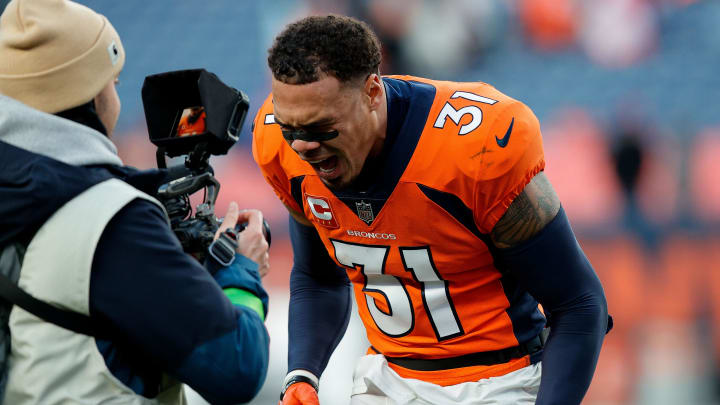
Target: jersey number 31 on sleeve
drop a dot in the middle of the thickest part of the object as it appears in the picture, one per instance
(400, 319)
(456, 115)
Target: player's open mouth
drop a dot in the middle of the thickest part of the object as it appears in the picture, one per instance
(325, 167)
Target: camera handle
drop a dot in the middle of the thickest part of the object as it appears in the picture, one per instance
(190, 184)
(207, 208)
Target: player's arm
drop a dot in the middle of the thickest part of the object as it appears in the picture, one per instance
(535, 244)
(319, 311)
(319, 291)
(298, 217)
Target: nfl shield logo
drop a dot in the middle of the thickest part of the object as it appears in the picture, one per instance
(364, 211)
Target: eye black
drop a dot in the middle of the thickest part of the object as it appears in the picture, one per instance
(308, 136)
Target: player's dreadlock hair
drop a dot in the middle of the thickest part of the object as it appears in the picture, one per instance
(337, 45)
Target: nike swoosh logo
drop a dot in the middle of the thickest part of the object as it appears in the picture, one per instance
(502, 142)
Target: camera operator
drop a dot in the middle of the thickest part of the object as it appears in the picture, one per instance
(98, 244)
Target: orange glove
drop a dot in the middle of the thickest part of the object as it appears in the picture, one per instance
(300, 393)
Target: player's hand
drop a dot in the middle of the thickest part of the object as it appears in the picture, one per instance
(300, 393)
(251, 241)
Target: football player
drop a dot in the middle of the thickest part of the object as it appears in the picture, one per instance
(429, 199)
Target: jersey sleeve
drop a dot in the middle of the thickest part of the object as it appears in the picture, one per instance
(267, 149)
(513, 155)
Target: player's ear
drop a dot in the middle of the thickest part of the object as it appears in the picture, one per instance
(374, 91)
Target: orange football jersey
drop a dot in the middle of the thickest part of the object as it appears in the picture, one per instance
(414, 243)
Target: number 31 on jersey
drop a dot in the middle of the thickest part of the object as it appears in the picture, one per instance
(400, 319)
(448, 111)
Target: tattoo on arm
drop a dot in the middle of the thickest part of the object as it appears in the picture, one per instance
(531, 210)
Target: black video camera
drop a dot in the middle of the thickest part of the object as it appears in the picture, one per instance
(192, 113)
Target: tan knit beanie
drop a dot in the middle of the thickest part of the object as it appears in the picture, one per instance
(56, 54)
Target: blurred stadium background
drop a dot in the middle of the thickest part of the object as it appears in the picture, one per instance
(626, 92)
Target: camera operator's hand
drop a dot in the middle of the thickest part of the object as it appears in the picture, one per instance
(251, 241)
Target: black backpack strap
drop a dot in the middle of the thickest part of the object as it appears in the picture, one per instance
(11, 258)
(69, 320)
